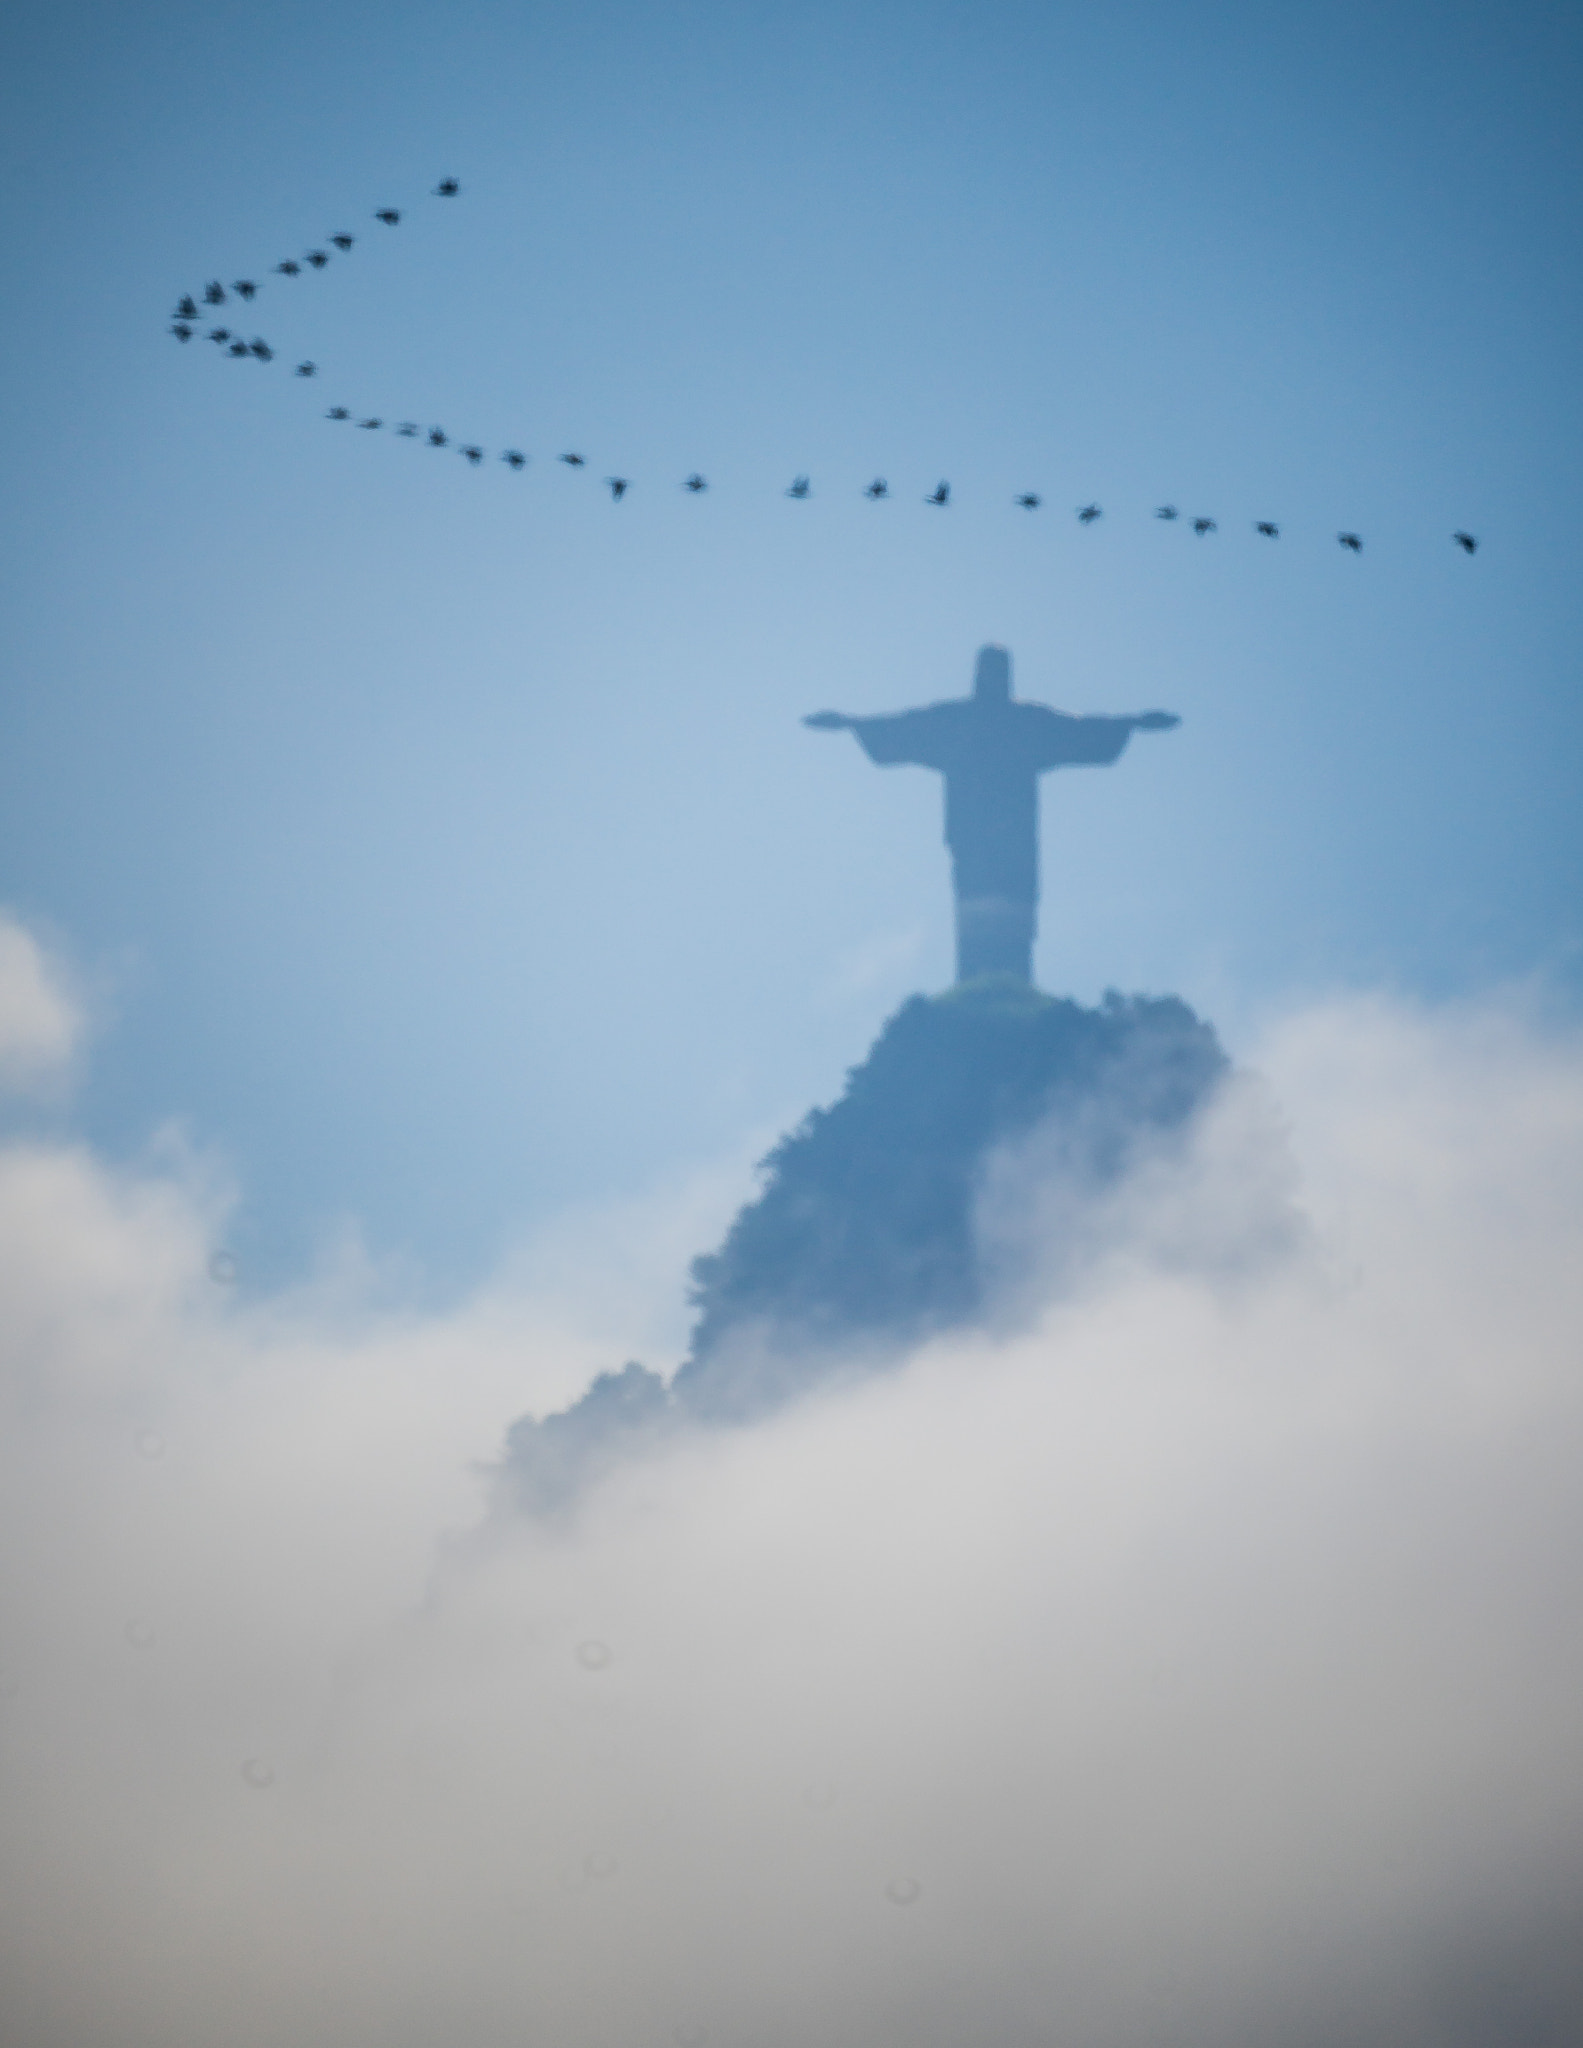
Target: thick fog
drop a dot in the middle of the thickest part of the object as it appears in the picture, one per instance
(1198, 1664)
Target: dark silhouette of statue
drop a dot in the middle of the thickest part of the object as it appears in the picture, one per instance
(991, 749)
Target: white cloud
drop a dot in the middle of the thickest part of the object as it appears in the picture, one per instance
(1206, 1656)
(40, 1024)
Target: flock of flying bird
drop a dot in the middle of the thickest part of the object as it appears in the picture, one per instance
(193, 311)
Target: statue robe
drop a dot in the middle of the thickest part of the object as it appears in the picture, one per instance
(992, 755)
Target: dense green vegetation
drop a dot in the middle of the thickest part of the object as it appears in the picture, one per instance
(864, 1236)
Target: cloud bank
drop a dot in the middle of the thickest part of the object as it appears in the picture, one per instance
(40, 1025)
(1197, 1665)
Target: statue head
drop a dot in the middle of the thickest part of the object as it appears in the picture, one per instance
(992, 677)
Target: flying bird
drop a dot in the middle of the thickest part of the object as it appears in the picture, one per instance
(1466, 542)
(1166, 512)
(474, 455)
(1089, 513)
(1030, 501)
(214, 294)
(447, 189)
(1268, 528)
(318, 258)
(370, 424)
(618, 485)
(408, 430)
(239, 348)
(877, 489)
(940, 495)
(186, 308)
(1202, 526)
(389, 215)
(515, 457)
(219, 334)
(338, 412)
(288, 268)
(245, 288)
(437, 437)
(182, 331)
(1352, 541)
(307, 369)
(696, 483)
(343, 242)
(261, 348)
(571, 461)
(798, 488)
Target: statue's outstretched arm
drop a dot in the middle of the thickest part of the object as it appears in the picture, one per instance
(1059, 739)
(892, 738)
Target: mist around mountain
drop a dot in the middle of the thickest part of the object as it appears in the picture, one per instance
(1180, 1655)
(869, 1233)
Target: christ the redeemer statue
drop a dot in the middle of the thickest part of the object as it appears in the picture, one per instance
(992, 751)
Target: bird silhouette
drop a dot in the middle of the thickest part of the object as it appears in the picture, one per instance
(245, 288)
(695, 483)
(408, 430)
(318, 258)
(515, 457)
(940, 495)
(1352, 541)
(260, 348)
(288, 268)
(182, 331)
(343, 242)
(571, 461)
(618, 486)
(239, 348)
(370, 424)
(219, 334)
(798, 488)
(1466, 542)
(437, 437)
(474, 455)
(1030, 501)
(1166, 512)
(1202, 526)
(1089, 513)
(389, 215)
(1268, 528)
(447, 189)
(877, 489)
(186, 308)
(307, 369)
(338, 412)
(214, 294)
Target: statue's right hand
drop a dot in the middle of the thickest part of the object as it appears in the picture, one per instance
(828, 721)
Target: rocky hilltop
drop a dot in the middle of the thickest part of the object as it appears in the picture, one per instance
(865, 1235)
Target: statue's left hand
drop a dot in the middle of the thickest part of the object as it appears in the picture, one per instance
(1156, 721)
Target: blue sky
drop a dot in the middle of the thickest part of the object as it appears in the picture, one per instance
(442, 848)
